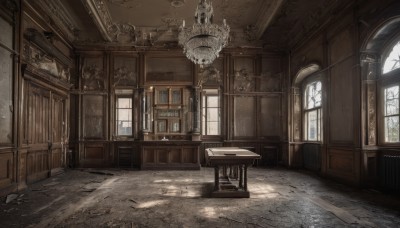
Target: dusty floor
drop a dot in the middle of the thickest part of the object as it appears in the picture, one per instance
(279, 198)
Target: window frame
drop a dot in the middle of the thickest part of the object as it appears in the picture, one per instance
(124, 94)
(203, 113)
(385, 81)
(320, 122)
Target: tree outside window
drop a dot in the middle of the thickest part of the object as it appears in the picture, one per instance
(312, 111)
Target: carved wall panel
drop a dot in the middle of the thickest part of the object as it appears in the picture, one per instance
(341, 102)
(244, 124)
(160, 70)
(125, 71)
(271, 75)
(270, 119)
(93, 76)
(93, 116)
(244, 75)
(211, 75)
(341, 46)
(6, 75)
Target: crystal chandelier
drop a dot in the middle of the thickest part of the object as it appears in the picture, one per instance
(204, 40)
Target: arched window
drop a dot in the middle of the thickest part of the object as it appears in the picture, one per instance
(312, 111)
(392, 62)
(390, 96)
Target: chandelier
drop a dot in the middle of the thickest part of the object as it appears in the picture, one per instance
(204, 40)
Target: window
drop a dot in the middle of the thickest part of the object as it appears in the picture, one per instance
(391, 114)
(211, 112)
(313, 111)
(124, 116)
(389, 90)
(392, 62)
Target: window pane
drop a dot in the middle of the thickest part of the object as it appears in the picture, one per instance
(124, 103)
(312, 126)
(176, 97)
(392, 100)
(392, 62)
(212, 101)
(213, 114)
(124, 114)
(313, 95)
(392, 129)
(213, 128)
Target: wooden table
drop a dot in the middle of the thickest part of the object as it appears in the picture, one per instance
(236, 160)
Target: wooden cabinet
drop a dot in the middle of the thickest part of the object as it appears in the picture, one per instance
(170, 155)
(170, 113)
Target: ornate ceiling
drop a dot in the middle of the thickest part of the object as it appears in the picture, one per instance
(274, 24)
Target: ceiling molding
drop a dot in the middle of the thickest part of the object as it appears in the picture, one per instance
(267, 12)
(100, 14)
(60, 16)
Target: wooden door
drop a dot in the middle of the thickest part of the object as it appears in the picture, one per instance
(58, 133)
(45, 132)
(37, 133)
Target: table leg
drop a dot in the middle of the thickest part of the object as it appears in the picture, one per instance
(216, 178)
(245, 178)
(240, 176)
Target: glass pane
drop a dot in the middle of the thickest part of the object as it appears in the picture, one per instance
(124, 103)
(392, 100)
(213, 114)
(175, 126)
(163, 96)
(313, 95)
(392, 62)
(392, 129)
(212, 101)
(312, 126)
(162, 126)
(124, 114)
(124, 128)
(176, 97)
(213, 128)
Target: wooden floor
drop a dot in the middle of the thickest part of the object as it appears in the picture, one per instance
(118, 198)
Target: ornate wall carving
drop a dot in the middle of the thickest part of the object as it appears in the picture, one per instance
(209, 75)
(244, 81)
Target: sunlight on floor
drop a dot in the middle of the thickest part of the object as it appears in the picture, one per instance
(152, 203)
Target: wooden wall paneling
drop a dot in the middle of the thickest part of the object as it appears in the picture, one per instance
(270, 120)
(6, 85)
(341, 123)
(244, 113)
(343, 164)
(271, 79)
(295, 155)
(58, 137)
(37, 165)
(94, 116)
(162, 69)
(7, 169)
(244, 74)
(95, 154)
